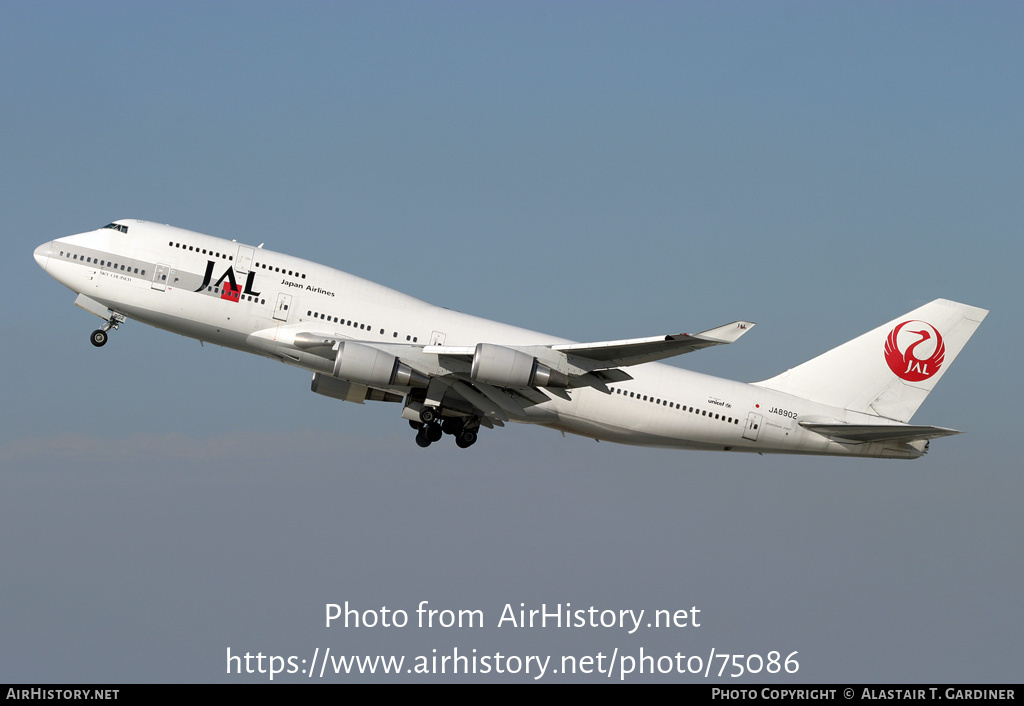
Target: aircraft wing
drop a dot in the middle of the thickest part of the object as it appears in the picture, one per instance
(497, 381)
(863, 433)
(628, 351)
(633, 351)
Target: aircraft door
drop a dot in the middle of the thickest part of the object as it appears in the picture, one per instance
(160, 277)
(753, 425)
(243, 261)
(437, 338)
(284, 303)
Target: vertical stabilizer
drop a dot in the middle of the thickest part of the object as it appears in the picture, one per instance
(888, 371)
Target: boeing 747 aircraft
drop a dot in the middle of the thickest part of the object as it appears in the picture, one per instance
(452, 373)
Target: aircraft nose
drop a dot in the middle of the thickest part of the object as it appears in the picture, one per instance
(42, 254)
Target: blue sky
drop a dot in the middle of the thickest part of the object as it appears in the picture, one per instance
(594, 170)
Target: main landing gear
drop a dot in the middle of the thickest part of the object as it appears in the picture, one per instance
(99, 337)
(432, 426)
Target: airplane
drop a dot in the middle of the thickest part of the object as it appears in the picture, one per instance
(454, 373)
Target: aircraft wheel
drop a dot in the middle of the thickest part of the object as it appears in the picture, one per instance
(428, 414)
(98, 338)
(432, 431)
(421, 438)
(465, 439)
(415, 425)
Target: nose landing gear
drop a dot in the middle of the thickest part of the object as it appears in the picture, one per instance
(99, 337)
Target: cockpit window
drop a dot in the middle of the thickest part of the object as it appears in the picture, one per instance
(116, 226)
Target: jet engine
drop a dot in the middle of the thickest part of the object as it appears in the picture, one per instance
(367, 365)
(508, 367)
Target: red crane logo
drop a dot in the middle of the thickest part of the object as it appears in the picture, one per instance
(914, 354)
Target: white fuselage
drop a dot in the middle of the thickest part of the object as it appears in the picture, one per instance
(257, 300)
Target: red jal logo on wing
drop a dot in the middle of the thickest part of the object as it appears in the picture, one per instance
(914, 351)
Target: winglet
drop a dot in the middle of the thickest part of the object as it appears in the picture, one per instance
(726, 334)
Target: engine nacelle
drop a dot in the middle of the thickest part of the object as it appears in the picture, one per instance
(507, 367)
(367, 365)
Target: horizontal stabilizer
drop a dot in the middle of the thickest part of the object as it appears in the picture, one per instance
(863, 433)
